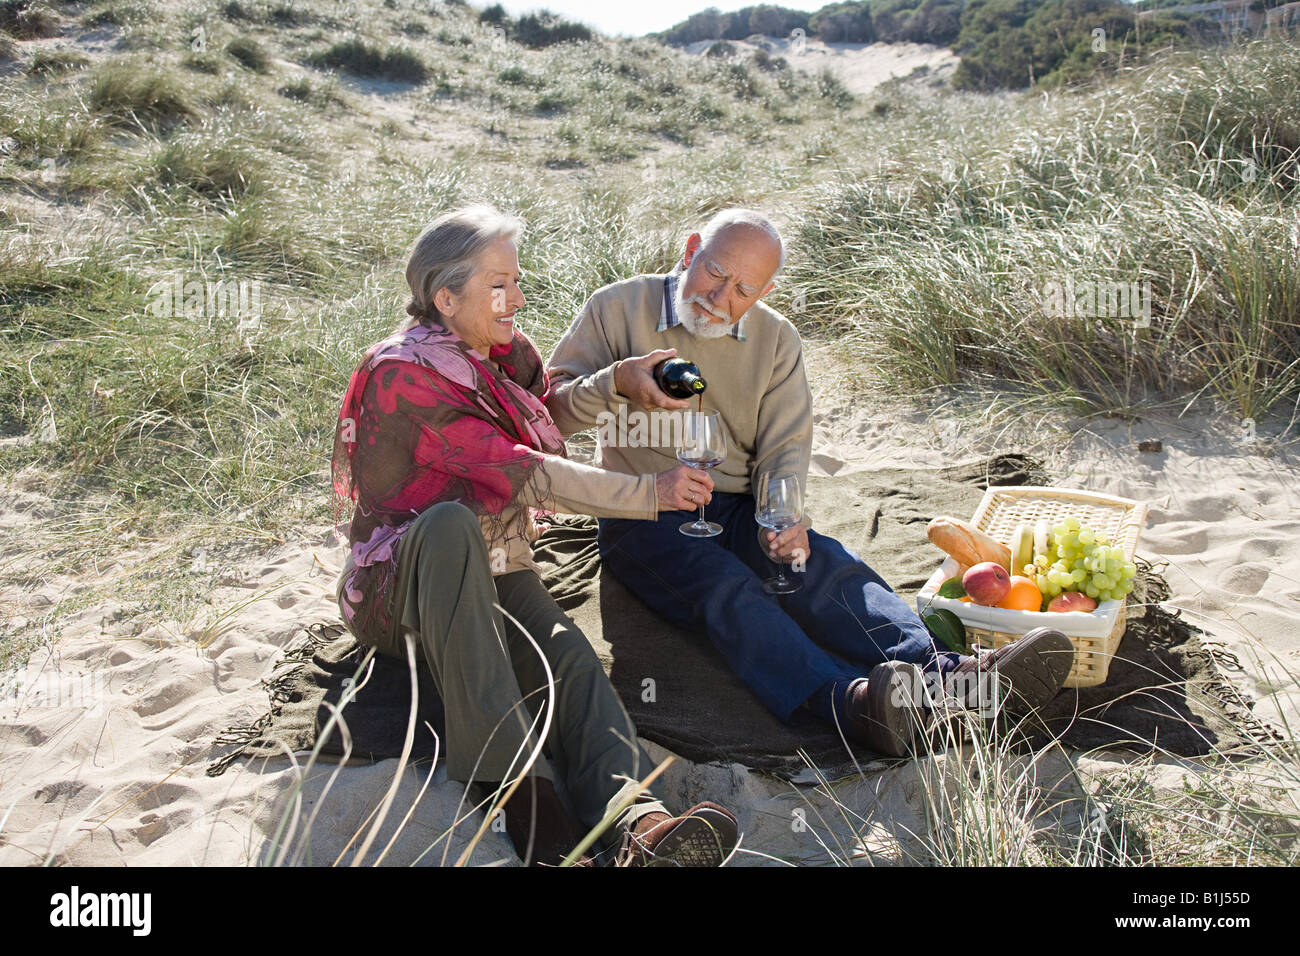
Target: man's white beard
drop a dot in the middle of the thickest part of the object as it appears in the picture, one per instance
(697, 324)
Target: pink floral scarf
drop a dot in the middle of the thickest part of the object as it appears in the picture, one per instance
(426, 419)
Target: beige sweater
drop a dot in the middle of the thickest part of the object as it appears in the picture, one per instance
(759, 386)
(576, 488)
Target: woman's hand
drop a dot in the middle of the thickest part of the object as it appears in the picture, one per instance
(634, 378)
(683, 488)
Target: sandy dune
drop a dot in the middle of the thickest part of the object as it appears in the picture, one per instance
(861, 67)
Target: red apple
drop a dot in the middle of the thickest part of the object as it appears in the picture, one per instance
(1068, 601)
(987, 583)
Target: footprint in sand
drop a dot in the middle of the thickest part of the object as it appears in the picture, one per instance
(155, 795)
(1244, 578)
(288, 599)
(174, 692)
(1261, 549)
(114, 653)
(13, 735)
(150, 828)
(1210, 507)
(1172, 539)
(827, 463)
(240, 664)
(120, 656)
(59, 790)
(164, 808)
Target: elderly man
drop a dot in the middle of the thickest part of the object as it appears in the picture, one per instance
(843, 645)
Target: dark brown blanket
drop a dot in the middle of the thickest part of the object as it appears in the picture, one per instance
(1164, 689)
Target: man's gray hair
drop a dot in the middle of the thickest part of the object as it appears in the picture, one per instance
(747, 217)
(446, 254)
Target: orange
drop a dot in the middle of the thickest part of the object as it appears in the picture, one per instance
(1023, 596)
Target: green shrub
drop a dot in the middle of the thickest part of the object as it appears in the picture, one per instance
(738, 78)
(203, 63)
(104, 17)
(210, 168)
(25, 20)
(250, 54)
(127, 93)
(449, 38)
(300, 90)
(361, 59)
(303, 90)
(768, 63)
(494, 14)
(287, 15)
(830, 87)
(537, 30)
(843, 23)
(553, 103)
(518, 76)
(49, 63)
(1051, 42)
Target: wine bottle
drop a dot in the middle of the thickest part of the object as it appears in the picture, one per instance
(678, 378)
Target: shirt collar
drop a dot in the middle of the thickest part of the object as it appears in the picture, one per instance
(668, 317)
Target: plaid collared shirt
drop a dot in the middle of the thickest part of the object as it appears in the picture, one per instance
(668, 316)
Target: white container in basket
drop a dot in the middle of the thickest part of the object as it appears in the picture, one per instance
(1098, 623)
(1095, 634)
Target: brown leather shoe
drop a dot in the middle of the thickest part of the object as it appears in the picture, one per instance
(1019, 677)
(704, 835)
(884, 708)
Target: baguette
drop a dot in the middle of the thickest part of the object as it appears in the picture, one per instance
(967, 545)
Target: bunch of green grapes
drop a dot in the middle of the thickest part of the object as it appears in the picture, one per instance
(1081, 559)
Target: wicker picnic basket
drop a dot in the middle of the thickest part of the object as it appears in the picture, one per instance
(1096, 634)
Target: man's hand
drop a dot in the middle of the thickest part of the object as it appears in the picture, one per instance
(791, 544)
(634, 379)
(683, 488)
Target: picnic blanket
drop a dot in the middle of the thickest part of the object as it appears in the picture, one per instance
(1165, 688)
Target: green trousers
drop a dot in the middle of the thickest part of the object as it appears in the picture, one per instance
(491, 678)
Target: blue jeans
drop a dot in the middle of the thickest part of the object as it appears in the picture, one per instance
(841, 623)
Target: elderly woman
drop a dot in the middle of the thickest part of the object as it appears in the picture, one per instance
(445, 448)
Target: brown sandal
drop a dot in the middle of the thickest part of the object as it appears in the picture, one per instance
(703, 836)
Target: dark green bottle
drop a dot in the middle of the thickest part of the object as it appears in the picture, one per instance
(679, 378)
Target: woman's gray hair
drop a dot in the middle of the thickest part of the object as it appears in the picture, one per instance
(446, 253)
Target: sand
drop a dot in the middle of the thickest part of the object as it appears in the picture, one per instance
(861, 67)
(106, 732)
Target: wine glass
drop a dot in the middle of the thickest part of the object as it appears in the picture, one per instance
(778, 506)
(701, 445)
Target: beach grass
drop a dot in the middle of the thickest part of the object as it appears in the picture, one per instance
(982, 798)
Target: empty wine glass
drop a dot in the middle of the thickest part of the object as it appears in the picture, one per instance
(701, 445)
(778, 506)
